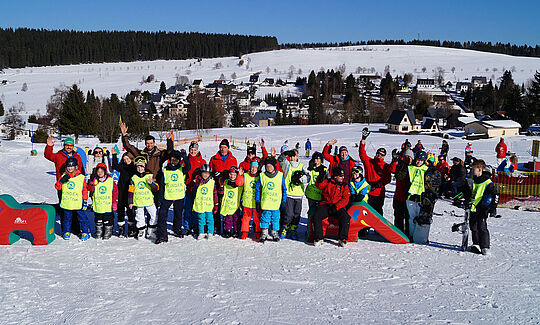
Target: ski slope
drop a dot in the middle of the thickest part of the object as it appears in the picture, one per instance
(228, 281)
(121, 78)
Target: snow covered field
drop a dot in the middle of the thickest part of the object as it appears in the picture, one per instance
(120, 78)
(228, 281)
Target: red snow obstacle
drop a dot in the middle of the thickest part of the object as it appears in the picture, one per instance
(362, 216)
(36, 219)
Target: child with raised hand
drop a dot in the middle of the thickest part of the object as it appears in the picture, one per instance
(248, 201)
(73, 200)
(205, 204)
(141, 197)
(104, 193)
(230, 204)
(127, 169)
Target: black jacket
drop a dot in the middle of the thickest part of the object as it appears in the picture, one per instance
(458, 173)
(126, 172)
(490, 190)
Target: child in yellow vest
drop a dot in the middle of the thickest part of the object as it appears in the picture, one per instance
(104, 193)
(205, 204)
(73, 200)
(230, 204)
(141, 197)
(248, 200)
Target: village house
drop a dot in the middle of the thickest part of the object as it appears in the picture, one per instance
(198, 83)
(425, 84)
(402, 122)
(478, 82)
(429, 125)
(463, 86)
(492, 128)
(264, 118)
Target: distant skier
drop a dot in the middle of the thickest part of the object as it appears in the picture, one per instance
(501, 150)
(418, 147)
(444, 149)
(308, 147)
(482, 201)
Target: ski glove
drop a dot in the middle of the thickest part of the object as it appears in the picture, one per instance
(365, 133)
(215, 210)
(258, 207)
(183, 153)
(217, 174)
(395, 155)
(84, 205)
(65, 178)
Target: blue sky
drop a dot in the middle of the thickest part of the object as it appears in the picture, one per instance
(310, 21)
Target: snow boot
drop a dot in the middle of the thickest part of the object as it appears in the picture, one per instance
(342, 243)
(318, 243)
(151, 232)
(244, 235)
(99, 230)
(294, 232)
(132, 229)
(179, 234)
(283, 233)
(485, 252)
(161, 240)
(140, 232)
(85, 236)
(66, 236)
(275, 235)
(121, 231)
(258, 235)
(264, 235)
(476, 249)
(107, 234)
(236, 234)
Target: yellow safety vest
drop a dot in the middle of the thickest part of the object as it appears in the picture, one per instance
(204, 197)
(312, 191)
(102, 198)
(142, 196)
(359, 189)
(416, 177)
(72, 193)
(175, 188)
(231, 199)
(478, 192)
(271, 191)
(294, 190)
(248, 195)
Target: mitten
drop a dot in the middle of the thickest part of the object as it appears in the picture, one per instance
(365, 133)
(65, 178)
(215, 210)
(115, 206)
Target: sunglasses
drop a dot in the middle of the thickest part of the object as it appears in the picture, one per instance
(98, 152)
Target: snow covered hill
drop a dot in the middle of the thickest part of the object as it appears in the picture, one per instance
(228, 281)
(120, 78)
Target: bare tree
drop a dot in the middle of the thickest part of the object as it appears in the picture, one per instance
(13, 120)
(55, 104)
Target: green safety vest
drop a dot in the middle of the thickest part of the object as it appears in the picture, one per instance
(175, 188)
(478, 192)
(416, 177)
(312, 191)
(271, 191)
(102, 198)
(204, 197)
(294, 190)
(142, 195)
(231, 199)
(360, 188)
(248, 194)
(72, 193)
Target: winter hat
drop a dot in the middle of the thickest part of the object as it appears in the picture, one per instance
(408, 153)
(338, 171)
(381, 151)
(456, 159)
(233, 169)
(317, 155)
(254, 163)
(270, 160)
(176, 154)
(420, 155)
(343, 148)
(69, 141)
(224, 142)
(102, 165)
(251, 151)
(194, 145)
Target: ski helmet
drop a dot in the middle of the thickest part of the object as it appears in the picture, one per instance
(318, 155)
(233, 169)
(357, 170)
(140, 160)
(72, 162)
(381, 151)
(206, 168)
(420, 155)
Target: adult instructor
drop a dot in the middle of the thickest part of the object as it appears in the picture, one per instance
(59, 159)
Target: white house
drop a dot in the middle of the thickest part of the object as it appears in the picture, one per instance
(402, 122)
(425, 84)
(493, 128)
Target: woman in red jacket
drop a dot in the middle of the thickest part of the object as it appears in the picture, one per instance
(343, 159)
(501, 150)
(335, 198)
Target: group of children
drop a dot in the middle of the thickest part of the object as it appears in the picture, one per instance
(269, 192)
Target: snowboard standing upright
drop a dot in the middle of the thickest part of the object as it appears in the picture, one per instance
(463, 228)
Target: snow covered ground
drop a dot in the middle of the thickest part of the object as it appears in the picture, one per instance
(121, 78)
(228, 281)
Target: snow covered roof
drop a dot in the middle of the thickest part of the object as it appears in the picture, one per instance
(502, 123)
(467, 119)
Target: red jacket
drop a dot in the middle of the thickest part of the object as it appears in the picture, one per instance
(376, 171)
(59, 159)
(58, 186)
(92, 188)
(443, 168)
(196, 162)
(335, 160)
(219, 165)
(501, 149)
(334, 193)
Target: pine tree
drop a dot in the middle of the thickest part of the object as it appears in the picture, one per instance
(1, 108)
(162, 88)
(75, 116)
(533, 98)
(236, 117)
